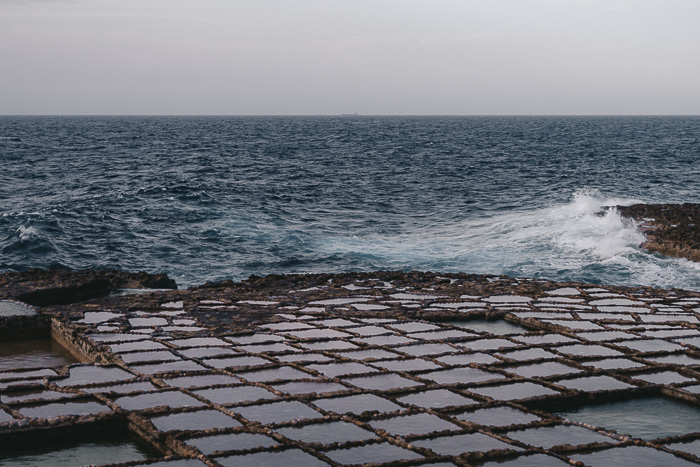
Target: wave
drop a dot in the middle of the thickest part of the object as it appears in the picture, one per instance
(586, 227)
(585, 239)
(27, 233)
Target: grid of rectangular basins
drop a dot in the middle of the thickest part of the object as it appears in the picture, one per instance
(368, 373)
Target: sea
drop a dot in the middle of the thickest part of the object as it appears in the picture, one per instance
(211, 198)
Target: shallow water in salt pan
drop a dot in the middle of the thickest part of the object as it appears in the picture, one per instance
(277, 412)
(553, 436)
(308, 387)
(327, 433)
(198, 420)
(514, 391)
(647, 418)
(288, 457)
(231, 442)
(498, 416)
(102, 452)
(378, 453)
(437, 398)
(454, 445)
(64, 408)
(33, 353)
(497, 327)
(356, 404)
(236, 394)
(413, 424)
(165, 398)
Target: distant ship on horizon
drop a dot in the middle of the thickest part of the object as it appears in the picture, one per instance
(349, 115)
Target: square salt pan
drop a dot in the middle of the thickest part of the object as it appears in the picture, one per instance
(544, 339)
(542, 369)
(498, 416)
(235, 395)
(338, 369)
(456, 445)
(181, 365)
(327, 433)
(156, 399)
(594, 383)
(319, 334)
(583, 350)
(356, 404)
(231, 441)
(488, 344)
(413, 424)
(383, 382)
(371, 453)
(291, 457)
(426, 349)
(527, 354)
(199, 420)
(413, 364)
(437, 398)
(199, 342)
(278, 412)
(664, 377)
(462, 375)
(274, 374)
(89, 374)
(514, 391)
(384, 340)
(548, 437)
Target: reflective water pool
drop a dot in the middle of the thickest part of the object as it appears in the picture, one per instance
(33, 353)
(647, 418)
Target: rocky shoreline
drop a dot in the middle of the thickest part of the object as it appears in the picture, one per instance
(383, 368)
(670, 229)
(41, 287)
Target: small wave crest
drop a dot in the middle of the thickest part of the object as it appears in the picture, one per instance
(588, 200)
(28, 245)
(26, 233)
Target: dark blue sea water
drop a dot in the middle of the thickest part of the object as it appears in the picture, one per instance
(208, 198)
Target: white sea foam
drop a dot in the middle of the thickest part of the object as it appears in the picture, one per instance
(585, 239)
(27, 233)
(580, 227)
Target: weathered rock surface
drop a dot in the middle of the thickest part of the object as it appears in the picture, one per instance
(41, 287)
(670, 229)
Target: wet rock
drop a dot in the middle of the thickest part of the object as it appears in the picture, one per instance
(42, 287)
(670, 229)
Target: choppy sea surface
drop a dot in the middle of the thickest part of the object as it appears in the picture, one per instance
(210, 198)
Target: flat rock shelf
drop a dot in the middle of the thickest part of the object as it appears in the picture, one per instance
(393, 368)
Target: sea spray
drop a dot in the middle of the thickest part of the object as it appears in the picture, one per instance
(590, 225)
(584, 240)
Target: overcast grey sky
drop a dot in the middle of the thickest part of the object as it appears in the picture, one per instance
(240, 57)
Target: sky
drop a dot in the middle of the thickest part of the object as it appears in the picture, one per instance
(328, 57)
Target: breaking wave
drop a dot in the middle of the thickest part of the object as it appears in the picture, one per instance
(583, 240)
